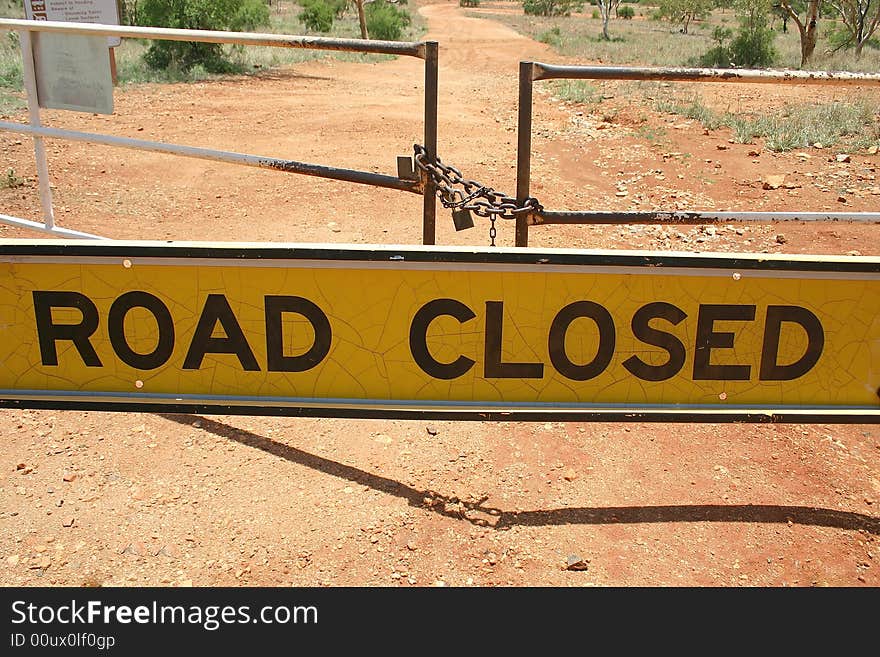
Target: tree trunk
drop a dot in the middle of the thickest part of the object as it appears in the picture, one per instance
(362, 19)
(808, 29)
(810, 35)
(859, 45)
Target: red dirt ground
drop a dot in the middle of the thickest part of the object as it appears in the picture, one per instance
(227, 500)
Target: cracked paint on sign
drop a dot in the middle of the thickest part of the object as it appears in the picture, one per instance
(371, 310)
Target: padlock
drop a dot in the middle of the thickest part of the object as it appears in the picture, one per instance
(462, 219)
(405, 168)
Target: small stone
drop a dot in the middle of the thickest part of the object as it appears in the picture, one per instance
(432, 430)
(754, 153)
(722, 147)
(575, 562)
(197, 424)
(383, 439)
(12, 560)
(42, 563)
(439, 583)
(169, 551)
(873, 150)
(68, 476)
(841, 199)
(68, 522)
(819, 145)
(710, 230)
(570, 475)
(781, 239)
(774, 181)
(843, 157)
(20, 466)
(853, 253)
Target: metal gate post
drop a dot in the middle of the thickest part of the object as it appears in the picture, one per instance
(429, 212)
(30, 85)
(523, 150)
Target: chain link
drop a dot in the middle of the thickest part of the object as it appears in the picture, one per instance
(457, 192)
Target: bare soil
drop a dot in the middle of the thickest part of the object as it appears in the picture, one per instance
(126, 499)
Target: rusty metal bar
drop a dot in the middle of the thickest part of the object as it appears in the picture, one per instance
(429, 208)
(547, 217)
(260, 161)
(523, 149)
(529, 72)
(541, 71)
(408, 48)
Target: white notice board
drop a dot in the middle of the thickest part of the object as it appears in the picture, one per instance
(73, 72)
(105, 12)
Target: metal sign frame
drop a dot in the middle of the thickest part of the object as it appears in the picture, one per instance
(403, 261)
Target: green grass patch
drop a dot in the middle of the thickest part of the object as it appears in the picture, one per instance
(855, 125)
(11, 181)
(577, 91)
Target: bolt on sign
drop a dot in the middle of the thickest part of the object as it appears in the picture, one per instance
(455, 332)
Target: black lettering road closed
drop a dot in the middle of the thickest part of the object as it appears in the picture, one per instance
(422, 330)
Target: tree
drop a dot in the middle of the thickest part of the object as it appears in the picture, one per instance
(684, 11)
(233, 15)
(362, 20)
(605, 9)
(808, 28)
(860, 19)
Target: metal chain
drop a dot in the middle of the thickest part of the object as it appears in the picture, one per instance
(492, 231)
(457, 192)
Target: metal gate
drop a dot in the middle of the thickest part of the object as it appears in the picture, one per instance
(535, 215)
(406, 179)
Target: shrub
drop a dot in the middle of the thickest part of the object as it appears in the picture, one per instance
(385, 21)
(468, 3)
(551, 7)
(234, 15)
(751, 46)
(317, 15)
(626, 12)
(552, 37)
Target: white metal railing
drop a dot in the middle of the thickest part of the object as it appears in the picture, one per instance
(426, 50)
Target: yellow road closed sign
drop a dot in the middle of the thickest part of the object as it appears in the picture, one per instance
(438, 332)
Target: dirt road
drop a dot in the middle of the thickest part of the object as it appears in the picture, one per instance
(152, 499)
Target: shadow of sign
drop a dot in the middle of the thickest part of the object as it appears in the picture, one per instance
(477, 514)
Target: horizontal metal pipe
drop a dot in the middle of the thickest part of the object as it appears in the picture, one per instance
(409, 48)
(696, 218)
(289, 166)
(54, 230)
(542, 71)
